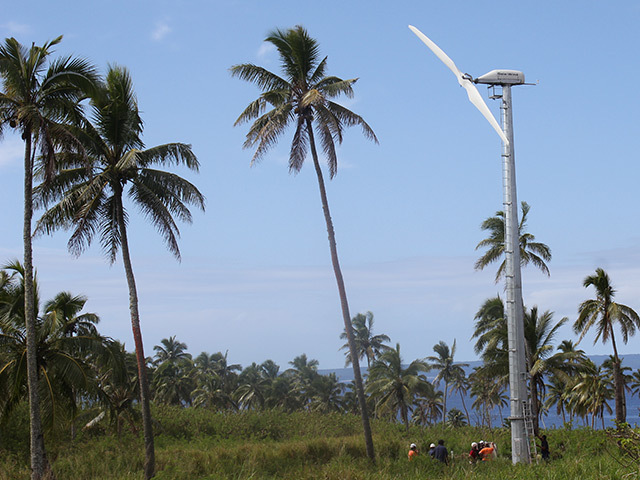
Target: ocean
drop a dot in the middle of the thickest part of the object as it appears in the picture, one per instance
(549, 420)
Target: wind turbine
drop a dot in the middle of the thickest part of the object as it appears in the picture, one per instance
(519, 397)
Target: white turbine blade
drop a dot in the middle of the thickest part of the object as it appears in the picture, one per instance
(439, 53)
(478, 101)
(472, 91)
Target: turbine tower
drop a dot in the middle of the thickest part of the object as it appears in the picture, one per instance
(518, 392)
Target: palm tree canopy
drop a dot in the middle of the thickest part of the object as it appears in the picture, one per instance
(443, 361)
(394, 386)
(89, 197)
(40, 97)
(367, 344)
(302, 95)
(171, 350)
(530, 251)
(603, 313)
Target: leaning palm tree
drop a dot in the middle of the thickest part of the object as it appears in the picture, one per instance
(530, 250)
(90, 198)
(368, 345)
(448, 370)
(303, 96)
(37, 98)
(603, 314)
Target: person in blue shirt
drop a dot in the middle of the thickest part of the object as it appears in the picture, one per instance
(441, 453)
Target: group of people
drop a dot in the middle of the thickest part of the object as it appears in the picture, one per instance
(437, 452)
(482, 451)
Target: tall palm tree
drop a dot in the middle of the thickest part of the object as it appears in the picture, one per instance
(394, 387)
(603, 314)
(448, 370)
(368, 345)
(530, 250)
(91, 197)
(302, 96)
(37, 99)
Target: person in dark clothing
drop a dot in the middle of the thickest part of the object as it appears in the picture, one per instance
(441, 453)
(544, 447)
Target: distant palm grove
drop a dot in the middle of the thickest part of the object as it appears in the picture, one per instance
(86, 169)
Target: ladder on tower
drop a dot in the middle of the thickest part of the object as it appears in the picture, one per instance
(528, 429)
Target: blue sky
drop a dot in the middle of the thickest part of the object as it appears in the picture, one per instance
(256, 277)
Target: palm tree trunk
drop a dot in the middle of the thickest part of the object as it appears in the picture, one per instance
(40, 468)
(149, 463)
(535, 411)
(355, 362)
(621, 413)
(444, 405)
(464, 405)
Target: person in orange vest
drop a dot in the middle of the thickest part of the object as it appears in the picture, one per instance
(413, 451)
(487, 451)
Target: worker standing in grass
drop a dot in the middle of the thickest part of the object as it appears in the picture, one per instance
(441, 453)
(413, 451)
(544, 447)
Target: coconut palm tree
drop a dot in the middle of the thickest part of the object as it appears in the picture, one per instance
(456, 418)
(63, 351)
(368, 345)
(540, 331)
(252, 387)
(394, 387)
(590, 393)
(530, 251)
(90, 198)
(37, 98)
(326, 394)
(171, 350)
(604, 314)
(448, 370)
(488, 393)
(303, 96)
(428, 405)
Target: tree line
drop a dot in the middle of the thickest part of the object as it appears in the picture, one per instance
(84, 371)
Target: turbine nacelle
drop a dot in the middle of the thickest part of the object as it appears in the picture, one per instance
(501, 77)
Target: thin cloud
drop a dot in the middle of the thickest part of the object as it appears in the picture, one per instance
(266, 50)
(14, 28)
(161, 31)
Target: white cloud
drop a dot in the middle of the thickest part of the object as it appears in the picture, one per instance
(266, 50)
(14, 28)
(161, 30)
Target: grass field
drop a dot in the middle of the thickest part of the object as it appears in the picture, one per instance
(197, 444)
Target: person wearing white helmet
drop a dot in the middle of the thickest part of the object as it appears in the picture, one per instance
(413, 451)
(474, 453)
(432, 449)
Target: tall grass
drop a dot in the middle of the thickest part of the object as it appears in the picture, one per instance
(196, 444)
